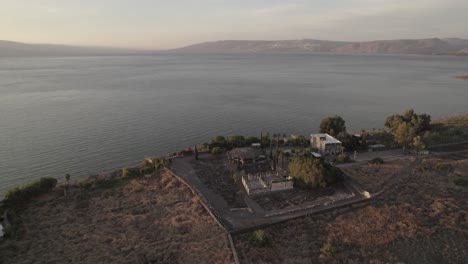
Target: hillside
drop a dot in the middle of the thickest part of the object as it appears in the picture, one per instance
(463, 51)
(399, 46)
(305, 45)
(402, 46)
(147, 220)
(11, 48)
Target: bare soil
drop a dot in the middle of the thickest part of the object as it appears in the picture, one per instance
(216, 173)
(372, 177)
(291, 198)
(154, 220)
(423, 219)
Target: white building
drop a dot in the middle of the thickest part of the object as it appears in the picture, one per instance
(326, 144)
(266, 182)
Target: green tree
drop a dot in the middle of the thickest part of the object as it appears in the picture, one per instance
(312, 173)
(236, 141)
(67, 178)
(217, 150)
(420, 122)
(418, 143)
(333, 125)
(404, 134)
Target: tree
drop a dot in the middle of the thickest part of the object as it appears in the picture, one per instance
(236, 141)
(312, 173)
(418, 143)
(67, 178)
(420, 122)
(217, 150)
(196, 153)
(404, 134)
(333, 125)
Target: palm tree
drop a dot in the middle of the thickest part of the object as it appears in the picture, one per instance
(67, 178)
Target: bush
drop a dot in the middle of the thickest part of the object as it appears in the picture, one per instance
(147, 169)
(27, 192)
(217, 150)
(461, 181)
(443, 166)
(130, 173)
(261, 239)
(343, 158)
(376, 161)
(86, 184)
(328, 250)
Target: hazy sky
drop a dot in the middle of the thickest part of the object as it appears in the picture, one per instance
(174, 23)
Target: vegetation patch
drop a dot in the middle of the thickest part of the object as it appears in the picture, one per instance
(461, 181)
(343, 158)
(377, 160)
(261, 239)
(328, 250)
(312, 173)
(25, 193)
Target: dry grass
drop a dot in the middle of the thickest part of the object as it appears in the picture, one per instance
(155, 220)
(373, 176)
(424, 219)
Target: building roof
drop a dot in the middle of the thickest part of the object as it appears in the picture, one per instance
(326, 138)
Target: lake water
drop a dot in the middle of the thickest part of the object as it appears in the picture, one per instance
(86, 115)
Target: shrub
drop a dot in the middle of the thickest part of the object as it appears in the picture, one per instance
(27, 192)
(130, 173)
(443, 167)
(217, 150)
(461, 182)
(106, 183)
(147, 169)
(343, 158)
(261, 239)
(328, 250)
(377, 160)
(86, 184)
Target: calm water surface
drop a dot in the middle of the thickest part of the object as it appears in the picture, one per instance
(86, 115)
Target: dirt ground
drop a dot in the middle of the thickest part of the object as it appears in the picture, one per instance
(373, 176)
(423, 219)
(154, 220)
(214, 172)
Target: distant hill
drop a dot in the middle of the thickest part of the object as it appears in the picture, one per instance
(463, 51)
(305, 45)
(399, 46)
(10, 48)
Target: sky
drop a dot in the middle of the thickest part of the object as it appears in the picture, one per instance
(165, 24)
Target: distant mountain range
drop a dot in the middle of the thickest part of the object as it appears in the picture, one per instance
(10, 48)
(453, 46)
(401, 46)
